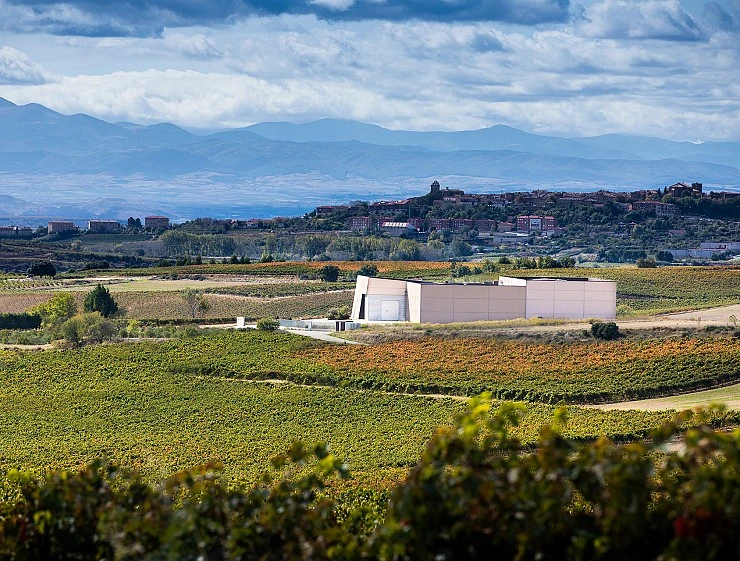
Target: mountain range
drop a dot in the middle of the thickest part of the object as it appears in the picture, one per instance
(51, 164)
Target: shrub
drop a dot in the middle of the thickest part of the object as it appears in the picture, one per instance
(342, 313)
(368, 270)
(20, 321)
(42, 269)
(86, 328)
(605, 330)
(646, 263)
(329, 273)
(268, 324)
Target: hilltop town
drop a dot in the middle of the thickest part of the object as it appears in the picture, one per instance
(679, 223)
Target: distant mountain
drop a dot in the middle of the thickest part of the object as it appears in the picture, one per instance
(499, 137)
(727, 153)
(49, 160)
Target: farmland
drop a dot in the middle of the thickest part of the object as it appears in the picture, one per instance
(242, 397)
(639, 291)
(160, 407)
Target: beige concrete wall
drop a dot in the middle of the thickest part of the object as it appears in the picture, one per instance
(453, 303)
(601, 300)
(386, 286)
(570, 299)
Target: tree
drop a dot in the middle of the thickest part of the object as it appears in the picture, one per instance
(133, 223)
(313, 245)
(662, 255)
(196, 303)
(329, 273)
(100, 300)
(368, 270)
(646, 263)
(459, 248)
(58, 309)
(42, 269)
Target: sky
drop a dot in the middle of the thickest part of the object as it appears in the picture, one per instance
(667, 68)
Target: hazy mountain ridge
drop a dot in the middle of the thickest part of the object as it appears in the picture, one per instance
(38, 143)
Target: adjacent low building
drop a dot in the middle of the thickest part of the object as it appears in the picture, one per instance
(156, 222)
(56, 226)
(15, 231)
(103, 226)
(379, 299)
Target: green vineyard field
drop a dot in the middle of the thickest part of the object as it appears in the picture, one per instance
(162, 407)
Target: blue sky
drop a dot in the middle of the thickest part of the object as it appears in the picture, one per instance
(668, 68)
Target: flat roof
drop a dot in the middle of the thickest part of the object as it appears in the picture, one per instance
(495, 283)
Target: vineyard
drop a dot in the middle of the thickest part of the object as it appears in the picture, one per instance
(161, 407)
(158, 305)
(169, 305)
(575, 373)
(281, 289)
(430, 270)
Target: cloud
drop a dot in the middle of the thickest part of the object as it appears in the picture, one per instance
(721, 18)
(196, 46)
(641, 19)
(148, 18)
(17, 68)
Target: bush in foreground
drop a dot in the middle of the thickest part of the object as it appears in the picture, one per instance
(476, 493)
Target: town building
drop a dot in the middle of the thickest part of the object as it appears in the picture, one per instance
(388, 207)
(660, 209)
(397, 228)
(379, 299)
(536, 223)
(156, 222)
(360, 223)
(56, 226)
(15, 231)
(678, 190)
(103, 226)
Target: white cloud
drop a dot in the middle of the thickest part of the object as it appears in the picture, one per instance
(17, 68)
(197, 46)
(418, 75)
(338, 5)
(641, 19)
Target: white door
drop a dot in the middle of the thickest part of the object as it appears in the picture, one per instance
(390, 310)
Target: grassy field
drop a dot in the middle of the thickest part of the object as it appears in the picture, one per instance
(161, 407)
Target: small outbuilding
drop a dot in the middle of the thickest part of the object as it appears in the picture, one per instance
(379, 299)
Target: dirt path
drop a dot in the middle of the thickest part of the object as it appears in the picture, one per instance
(697, 318)
(728, 395)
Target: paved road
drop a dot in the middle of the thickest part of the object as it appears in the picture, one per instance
(322, 336)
